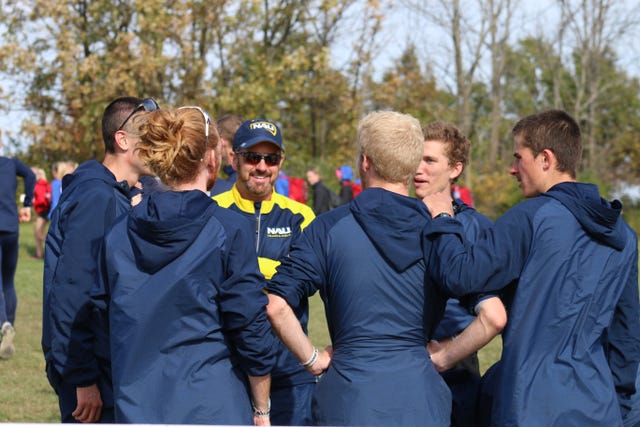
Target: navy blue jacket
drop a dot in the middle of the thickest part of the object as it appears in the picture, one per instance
(571, 346)
(365, 258)
(456, 315)
(92, 199)
(10, 169)
(186, 312)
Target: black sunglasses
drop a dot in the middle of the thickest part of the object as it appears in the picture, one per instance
(147, 104)
(252, 158)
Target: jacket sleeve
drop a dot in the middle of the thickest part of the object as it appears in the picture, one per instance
(29, 181)
(243, 305)
(494, 261)
(623, 342)
(84, 225)
(302, 273)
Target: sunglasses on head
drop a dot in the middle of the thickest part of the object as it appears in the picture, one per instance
(252, 158)
(147, 104)
(205, 116)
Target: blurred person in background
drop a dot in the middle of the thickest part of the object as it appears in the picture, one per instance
(10, 216)
(227, 126)
(41, 205)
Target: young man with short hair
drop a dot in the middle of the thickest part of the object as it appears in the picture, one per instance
(93, 197)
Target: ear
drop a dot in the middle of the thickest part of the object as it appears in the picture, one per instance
(281, 160)
(121, 141)
(456, 171)
(365, 164)
(548, 159)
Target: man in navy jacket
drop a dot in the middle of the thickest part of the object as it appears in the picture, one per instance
(366, 261)
(570, 265)
(93, 197)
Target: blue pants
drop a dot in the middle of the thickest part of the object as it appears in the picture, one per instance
(291, 405)
(8, 263)
(464, 382)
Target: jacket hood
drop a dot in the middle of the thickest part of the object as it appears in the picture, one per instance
(393, 223)
(598, 217)
(90, 170)
(165, 224)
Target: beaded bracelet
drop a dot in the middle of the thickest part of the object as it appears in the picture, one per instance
(259, 412)
(313, 358)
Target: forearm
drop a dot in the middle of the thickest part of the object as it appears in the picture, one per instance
(489, 323)
(260, 388)
(287, 326)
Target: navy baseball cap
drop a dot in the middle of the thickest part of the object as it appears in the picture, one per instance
(255, 131)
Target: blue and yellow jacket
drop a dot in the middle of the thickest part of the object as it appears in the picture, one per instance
(275, 224)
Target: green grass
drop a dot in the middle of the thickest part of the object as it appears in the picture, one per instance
(25, 394)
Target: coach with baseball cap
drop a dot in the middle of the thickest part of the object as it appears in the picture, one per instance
(276, 220)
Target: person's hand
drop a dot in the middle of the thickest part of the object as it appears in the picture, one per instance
(439, 202)
(322, 363)
(136, 199)
(89, 406)
(437, 353)
(261, 420)
(24, 215)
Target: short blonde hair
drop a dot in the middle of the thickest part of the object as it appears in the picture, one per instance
(393, 142)
(173, 143)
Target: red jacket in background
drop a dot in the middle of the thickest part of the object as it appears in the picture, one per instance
(42, 196)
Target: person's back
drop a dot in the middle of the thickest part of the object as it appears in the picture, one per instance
(365, 258)
(564, 303)
(376, 314)
(177, 251)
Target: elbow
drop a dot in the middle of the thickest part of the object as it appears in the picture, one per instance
(277, 308)
(493, 315)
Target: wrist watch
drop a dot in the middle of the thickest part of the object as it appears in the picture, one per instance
(443, 215)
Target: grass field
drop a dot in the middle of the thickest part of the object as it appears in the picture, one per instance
(25, 394)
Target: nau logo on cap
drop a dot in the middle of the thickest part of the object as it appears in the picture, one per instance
(270, 127)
